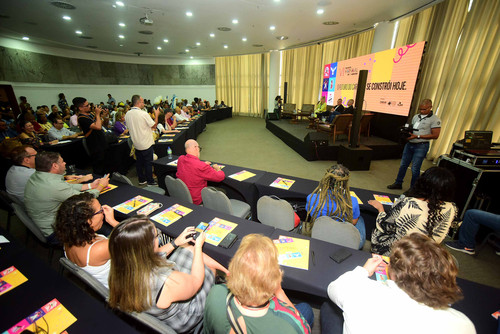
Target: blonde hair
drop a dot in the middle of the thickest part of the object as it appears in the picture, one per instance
(334, 186)
(255, 272)
(133, 261)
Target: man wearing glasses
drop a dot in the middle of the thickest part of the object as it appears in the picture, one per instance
(17, 176)
(59, 132)
(194, 172)
(426, 126)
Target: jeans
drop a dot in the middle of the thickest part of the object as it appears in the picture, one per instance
(306, 312)
(360, 225)
(332, 116)
(472, 220)
(331, 318)
(144, 165)
(414, 154)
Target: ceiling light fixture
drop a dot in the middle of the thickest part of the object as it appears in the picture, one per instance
(158, 47)
(78, 32)
(165, 40)
(320, 11)
(26, 38)
(121, 36)
(198, 43)
(282, 38)
(225, 46)
(235, 21)
(187, 50)
(272, 28)
(191, 57)
(67, 18)
(330, 23)
(114, 6)
(120, 3)
(212, 35)
(189, 14)
(121, 24)
(244, 39)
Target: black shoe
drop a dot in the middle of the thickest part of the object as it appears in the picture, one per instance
(395, 186)
(154, 183)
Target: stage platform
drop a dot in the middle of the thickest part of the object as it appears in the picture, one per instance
(293, 134)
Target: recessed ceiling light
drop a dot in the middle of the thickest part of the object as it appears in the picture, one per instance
(114, 6)
(187, 50)
(225, 46)
(198, 43)
(26, 38)
(120, 3)
(272, 28)
(244, 39)
(67, 18)
(121, 36)
(375, 25)
(330, 23)
(158, 47)
(235, 21)
(78, 32)
(320, 11)
(189, 14)
(191, 57)
(121, 44)
(165, 40)
(212, 35)
(121, 24)
(277, 0)
(282, 38)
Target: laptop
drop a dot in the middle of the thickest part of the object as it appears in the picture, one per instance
(479, 143)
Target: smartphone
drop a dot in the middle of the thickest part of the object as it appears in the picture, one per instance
(200, 228)
(229, 240)
(340, 255)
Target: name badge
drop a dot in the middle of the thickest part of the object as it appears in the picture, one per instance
(416, 125)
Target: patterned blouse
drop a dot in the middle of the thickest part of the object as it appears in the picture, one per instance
(409, 215)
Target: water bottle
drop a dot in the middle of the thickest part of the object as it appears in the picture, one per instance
(169, 152)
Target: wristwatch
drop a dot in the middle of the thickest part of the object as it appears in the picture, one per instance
(418, 137)
(173, 244)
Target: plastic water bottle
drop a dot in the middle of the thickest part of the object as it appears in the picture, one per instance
(169, 152)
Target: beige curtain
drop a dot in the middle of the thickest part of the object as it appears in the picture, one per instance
(301, 69)
(242, 81)
(460, 77)
(346, 48)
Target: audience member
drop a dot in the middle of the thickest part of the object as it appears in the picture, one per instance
(253, 298)
(163, 126)
(140, 125)
(59, 132)
(427, 208)
(30, 137)
(120, 128)
(43, 121)
(77, 221)
(142, 279)
(6, 131)
(63, 104)
(185, 113)
(18, 175)
(332, 197)
(195, 173)
(111, 100)
(46, 190)
(178, 116)
(416, 298)
(24, 105)
(73, 120)
(473, 219)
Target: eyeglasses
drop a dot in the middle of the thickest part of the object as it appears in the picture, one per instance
(199, 147)
(31, 155)
(98, 212)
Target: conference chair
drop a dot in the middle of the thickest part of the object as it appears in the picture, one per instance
(144, 318)
(307, 108)
(30, 225)
(340, 233)
(123, 179)
(289, 107)
(178, 189)
(277, 213)
(339, 126)
(6, 203)
(364, 126)
(218, 201)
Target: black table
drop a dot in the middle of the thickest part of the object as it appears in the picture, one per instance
(194, 128)
(43, 285)
(214, 115)
(72, 152)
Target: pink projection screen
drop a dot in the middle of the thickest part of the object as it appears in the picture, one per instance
(392, 75)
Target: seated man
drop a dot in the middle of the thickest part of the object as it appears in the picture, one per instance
(415, 299)
(339, 109)
(6, 131)
(195, 173)
(59, 132)
(43, 121)
(179, 117)
(350, 108)
(468, 230)
(185, 113)
(23, 158)
(46, 190)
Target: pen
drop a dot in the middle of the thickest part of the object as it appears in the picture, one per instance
(134, 203)
(314, 260)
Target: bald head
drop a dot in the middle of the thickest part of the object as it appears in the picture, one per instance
(192, 147)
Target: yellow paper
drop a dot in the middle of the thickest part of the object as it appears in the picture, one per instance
(241, 176)
(108, 188)
(383, 199)
(282, 183)
(217, 230)
(353, 194)
(10, 278)
(171, 214)
(132, 204)
(293, 252)
(57, 317)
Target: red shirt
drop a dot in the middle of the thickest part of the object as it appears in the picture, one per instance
(195, 174)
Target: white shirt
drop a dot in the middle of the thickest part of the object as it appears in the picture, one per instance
(139, 125)
(59, 134)
(16, 179)
(374, 307)
(180, 118)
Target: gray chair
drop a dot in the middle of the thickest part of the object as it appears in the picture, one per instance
(123, 179)
(178, 189)
(7, 201)
(307, 108)
(88, 279)
(276, 212)
(340, 233)
(218, 201)
(30, 225)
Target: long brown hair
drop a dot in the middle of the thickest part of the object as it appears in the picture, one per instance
(133, 261)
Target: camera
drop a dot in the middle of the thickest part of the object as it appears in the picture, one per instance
(406, 131)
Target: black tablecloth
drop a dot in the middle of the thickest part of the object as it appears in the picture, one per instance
(218, 114)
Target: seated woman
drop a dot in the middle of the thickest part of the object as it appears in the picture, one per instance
(120, 128)
(256, 302)
(77, 220)
(427, 209)
(163, 125)
(142, 279)
(332, 198)
(417, 296)
(28, 136)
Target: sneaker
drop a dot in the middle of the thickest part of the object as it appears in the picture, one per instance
(456, 245)
(395, 186)
(154, 183)
(143, 183)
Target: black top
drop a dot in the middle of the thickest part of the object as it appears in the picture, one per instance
(96, 140)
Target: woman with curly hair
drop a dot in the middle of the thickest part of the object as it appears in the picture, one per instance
(332, 198)
(77, 220)
(427, 209)
(415, 299)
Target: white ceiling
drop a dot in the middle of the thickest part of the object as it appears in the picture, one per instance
(42, 22)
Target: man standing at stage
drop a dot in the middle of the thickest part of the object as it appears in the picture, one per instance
(140, 126)
(426, 126)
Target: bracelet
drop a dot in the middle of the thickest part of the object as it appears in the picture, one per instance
(90, 187)
(173, 244)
